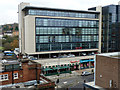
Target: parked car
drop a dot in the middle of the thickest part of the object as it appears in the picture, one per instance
(32, 58)
(54, 56)
(62, 56)
(8, 53)
(71, 55)
(24, 57)
(85, 73)
(92, 53)
(84, 54)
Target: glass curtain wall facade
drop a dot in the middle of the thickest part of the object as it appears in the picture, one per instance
(60, 13)
(54, 34)
(110, 28)
(65, 34)
(119, 26)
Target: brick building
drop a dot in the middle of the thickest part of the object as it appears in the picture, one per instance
(7, 77)
(107, 71)
(22, 72)
(26, 72)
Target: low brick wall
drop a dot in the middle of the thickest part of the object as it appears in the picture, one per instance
(45, 78)
(47, 86)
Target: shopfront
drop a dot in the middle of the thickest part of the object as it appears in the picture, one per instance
(57, 69)
(74, 65)
(86, 63)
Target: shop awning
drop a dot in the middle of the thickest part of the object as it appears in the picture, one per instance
(63, 67)
(54, 68)
(82, 61)
(92, 60)
(46, 69)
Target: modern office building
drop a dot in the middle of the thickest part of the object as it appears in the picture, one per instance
(49, 31)
(110, 28)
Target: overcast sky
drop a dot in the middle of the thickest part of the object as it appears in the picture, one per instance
(9, 8)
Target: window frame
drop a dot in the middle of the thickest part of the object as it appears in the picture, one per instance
(4, 79)
(15, 75)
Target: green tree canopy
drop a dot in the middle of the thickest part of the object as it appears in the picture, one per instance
(9, 42)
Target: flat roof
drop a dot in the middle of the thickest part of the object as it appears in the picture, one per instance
(11, 62)
(22, 84)
(60, 61)
(112, 54)
(93, 86)
(6, 62)
(58, 9)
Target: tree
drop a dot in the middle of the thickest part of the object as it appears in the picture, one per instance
(1, 48)
(14, 44)
(11, 28)
(16, 28)
(7, 46)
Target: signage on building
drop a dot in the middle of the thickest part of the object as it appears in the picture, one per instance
(74, 67)
(74, 61)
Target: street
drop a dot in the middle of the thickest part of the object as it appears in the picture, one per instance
(74, 82)
(71, 81)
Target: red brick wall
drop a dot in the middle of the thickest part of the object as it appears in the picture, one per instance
(119, 74)
(48, 86)
(9, 81)
(107, 68)
(27, 74)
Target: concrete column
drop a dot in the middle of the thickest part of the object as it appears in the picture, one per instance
(21, 15)
(49, 55)
(71, 46)
(50, 47)
(61, 46)
(79, 67)
(119, 3)
(38, 56)
(89, 46)
(99, 9)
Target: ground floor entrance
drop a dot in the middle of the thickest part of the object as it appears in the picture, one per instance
(67, 68)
